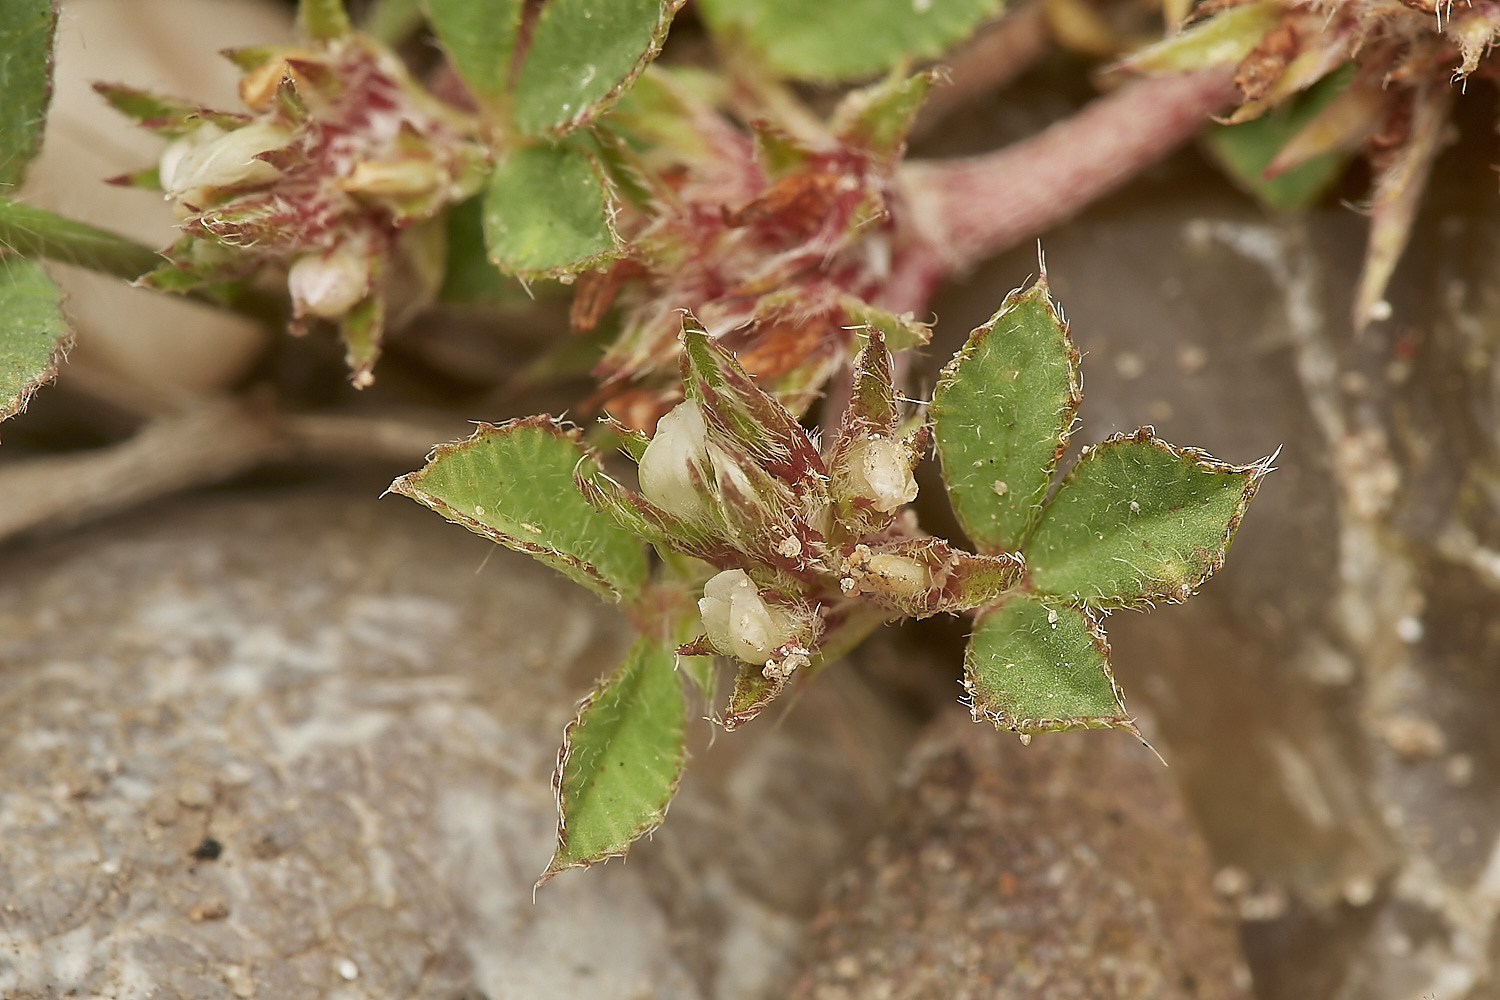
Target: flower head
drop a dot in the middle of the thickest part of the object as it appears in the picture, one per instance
(340, 166)
(811, 544)
(781, 245)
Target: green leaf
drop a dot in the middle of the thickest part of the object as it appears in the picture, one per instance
(26, 30)
(621, 759)
(583, 55)
(878, 118)
(1221, 40)
(166, 116)
(1246, 149)
(324, 20)
(902, 333)
(1138, 520)
(548, 213)
(843, 39)
(363, 329)
(752, 692)
(36, 232)
(1034, 666)
(470, 276)
(33, 334)
(514, 485)
(1002, 413)
(478, 36)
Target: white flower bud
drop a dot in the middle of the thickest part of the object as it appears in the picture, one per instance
(330, 284)
(883, 473)
(738, 622)
(897, 575)
(407, 178)
(678, 445)
(211, 157)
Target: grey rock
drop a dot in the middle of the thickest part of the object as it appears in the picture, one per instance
(359, 706)
(1066, 868)
(1328, 699)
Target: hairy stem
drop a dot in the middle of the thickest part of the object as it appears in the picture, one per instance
(27, 231)
(971, 208)
(36, 232)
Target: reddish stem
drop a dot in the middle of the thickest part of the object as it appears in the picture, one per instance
(967, 209)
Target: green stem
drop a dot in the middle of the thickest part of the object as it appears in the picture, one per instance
(35, 232)
(26, 231)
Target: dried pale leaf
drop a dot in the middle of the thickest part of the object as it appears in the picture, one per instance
(1398, 192)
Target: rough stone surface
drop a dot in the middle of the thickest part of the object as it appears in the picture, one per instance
(1329, 698)
(1067, 868)
(298, 743)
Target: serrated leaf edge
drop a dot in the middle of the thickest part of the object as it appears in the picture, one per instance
(407, 485)
(55, 358)
(563, 752)
(1009, 723)
(1069, 410)
(590, 112)
(1146, 434)
(612, 206)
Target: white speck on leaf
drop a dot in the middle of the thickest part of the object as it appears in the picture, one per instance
(589, 72)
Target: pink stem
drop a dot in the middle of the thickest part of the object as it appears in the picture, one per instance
(967, 209)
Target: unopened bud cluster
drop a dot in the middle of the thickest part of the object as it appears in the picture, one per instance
(807, 540)
(337, 175)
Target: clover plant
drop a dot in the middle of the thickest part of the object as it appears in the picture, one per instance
(755, 257)
(776, 551)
